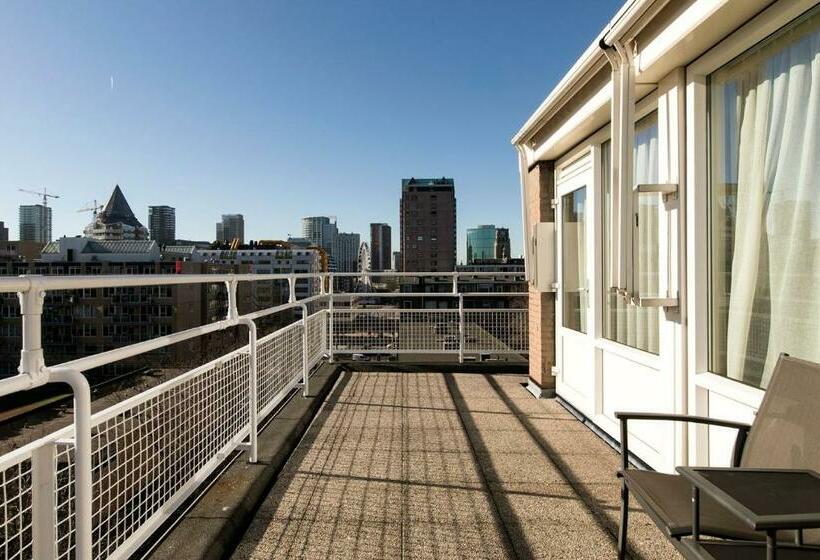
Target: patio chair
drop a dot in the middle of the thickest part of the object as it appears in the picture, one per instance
(785, 434)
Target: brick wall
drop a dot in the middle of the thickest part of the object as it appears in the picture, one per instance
(540, 187)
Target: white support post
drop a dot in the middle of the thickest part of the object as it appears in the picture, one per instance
(461, 328)
(43, 502)
(83, 490)
(32, 362)
(291, 289)
(455, 282)
(330, 319)
(233, 310)
(305, 352)
(253, 391)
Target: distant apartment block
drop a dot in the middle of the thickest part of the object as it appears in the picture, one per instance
(35, 223)
(87, 321)
(396, 261)
(230, 228)
(19, 251)
(260, 260)
(488, 242)
(347, 252)
(117, 221)
(162, 224)
(4, 232)
(428, 225)
(321, 231)
(380, 246)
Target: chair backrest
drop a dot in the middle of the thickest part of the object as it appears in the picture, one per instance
(786, 431)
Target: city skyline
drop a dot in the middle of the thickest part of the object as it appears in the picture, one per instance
(237, 125)
(461, 257)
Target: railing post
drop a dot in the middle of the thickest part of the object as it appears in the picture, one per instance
(455, 282)
(83, 490)
(460, 328)
(43, 502)
(305, 352)
(291, 289)
(330, 318)
(253, 391)
(253, 382)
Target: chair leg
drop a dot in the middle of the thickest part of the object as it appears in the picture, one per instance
(624, 521)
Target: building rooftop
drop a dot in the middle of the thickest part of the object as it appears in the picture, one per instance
(414, 183)
(117, 210)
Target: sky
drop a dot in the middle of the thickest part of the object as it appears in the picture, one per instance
(277, 110)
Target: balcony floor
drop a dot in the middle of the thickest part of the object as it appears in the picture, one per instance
(445, 465)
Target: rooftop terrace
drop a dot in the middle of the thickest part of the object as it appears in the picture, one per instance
(414, 457)
(433, 464)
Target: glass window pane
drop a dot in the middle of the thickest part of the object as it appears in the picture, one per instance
(625, 323)
(764, 205)
(574, 270)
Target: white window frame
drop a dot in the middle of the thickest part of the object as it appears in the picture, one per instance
(701, 380)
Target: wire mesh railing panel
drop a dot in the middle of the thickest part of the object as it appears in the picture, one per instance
(278, 364)
(395, 330)
(148, 453)
(16, 510)
(496, 330)
(317, 337)
(65, 536)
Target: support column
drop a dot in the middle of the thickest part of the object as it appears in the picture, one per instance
(539, 189)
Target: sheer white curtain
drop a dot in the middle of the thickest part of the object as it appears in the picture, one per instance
(626, 323)
(774, 303)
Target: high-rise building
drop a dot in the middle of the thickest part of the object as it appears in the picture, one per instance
(231, 227)
(480, 243)
(162, 223)
(502, 244)
(4, 232)
(35, 223)
(428, 225)
(488, 243)
(117, 221)
(322, 232)
(347, 252)
(380, 246)
(396, 262)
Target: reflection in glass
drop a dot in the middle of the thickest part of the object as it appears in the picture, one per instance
(574, 280)
(764, 205)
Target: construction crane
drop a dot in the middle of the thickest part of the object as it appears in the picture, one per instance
(44, 194)
(95, 208)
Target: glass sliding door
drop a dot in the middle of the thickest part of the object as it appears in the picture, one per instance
(574, 271)
(764, 205)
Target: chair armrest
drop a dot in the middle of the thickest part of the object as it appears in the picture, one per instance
(623, 416)
(742, 430)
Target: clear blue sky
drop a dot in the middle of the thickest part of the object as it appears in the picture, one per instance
(276, 110)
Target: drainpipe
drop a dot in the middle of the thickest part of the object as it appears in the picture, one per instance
(621, 60)
(529, 253)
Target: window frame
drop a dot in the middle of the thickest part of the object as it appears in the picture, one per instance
(776, 17)
(592, 145)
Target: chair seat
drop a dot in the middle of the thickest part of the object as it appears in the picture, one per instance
(669, 498)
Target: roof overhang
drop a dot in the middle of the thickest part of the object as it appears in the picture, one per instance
(682, 34)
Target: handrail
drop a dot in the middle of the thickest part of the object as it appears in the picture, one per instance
(26, 282)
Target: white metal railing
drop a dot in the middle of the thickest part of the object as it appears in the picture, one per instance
(99, 488)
